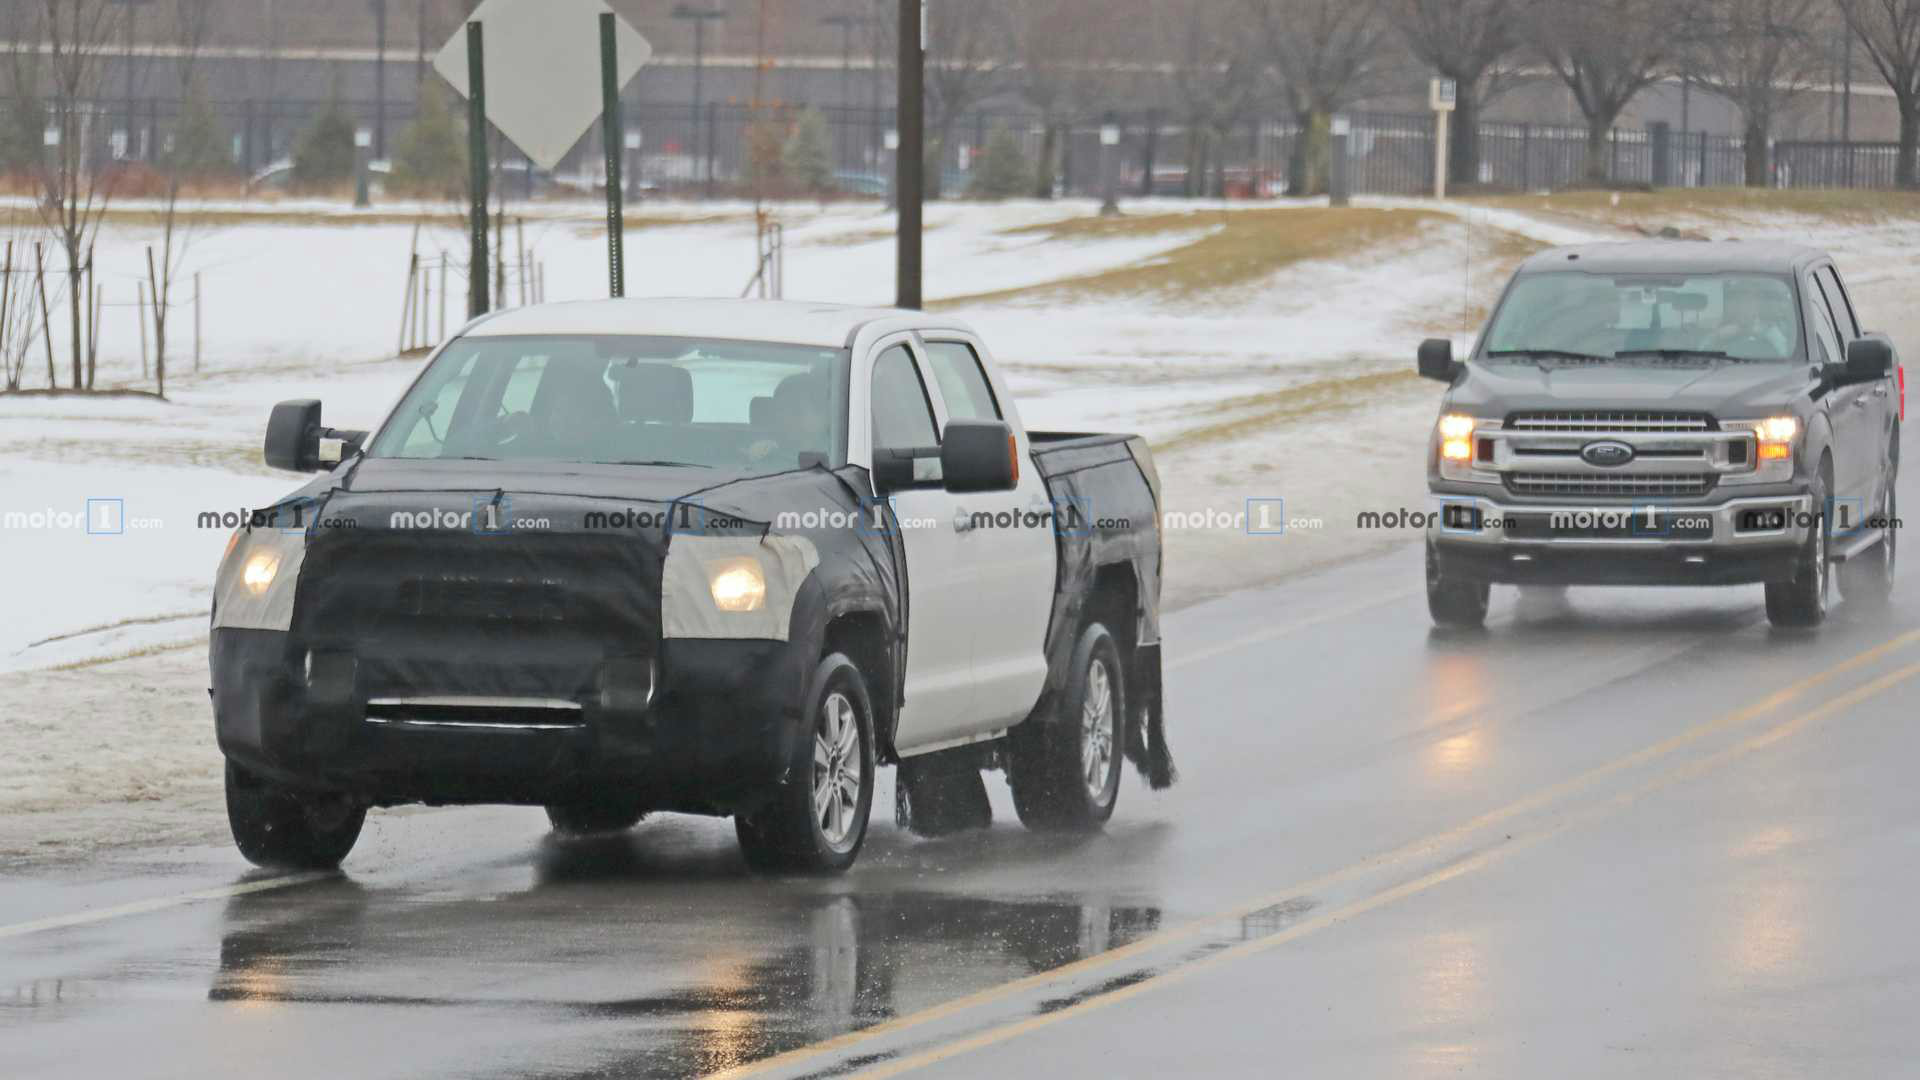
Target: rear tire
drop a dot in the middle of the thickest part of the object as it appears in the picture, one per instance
(817, 820)
(1065, 774)
(278, 827)
(1802, 602)
(1455, 605)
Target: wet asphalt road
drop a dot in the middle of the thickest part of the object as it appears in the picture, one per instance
(1622, 832)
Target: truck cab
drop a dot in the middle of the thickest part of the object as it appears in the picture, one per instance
(1667, 413)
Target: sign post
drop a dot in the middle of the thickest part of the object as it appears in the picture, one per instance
(614, 144)
(477, 304)
(1440, 95)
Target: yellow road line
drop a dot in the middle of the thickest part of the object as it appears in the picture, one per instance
(1405, 852)
(1380, 899)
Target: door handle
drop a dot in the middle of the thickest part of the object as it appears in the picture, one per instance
(962, 521)
(1860, 402)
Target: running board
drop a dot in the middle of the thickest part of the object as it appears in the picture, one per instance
(1857, 546)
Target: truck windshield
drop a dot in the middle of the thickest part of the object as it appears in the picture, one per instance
(741, 406)
(1569, 314)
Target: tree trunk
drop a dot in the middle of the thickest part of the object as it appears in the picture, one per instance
(73, 311)
(1046, 170)
(1903, 170)
(1759, 167)
(1599, 149)
(1313, 152)
(1463, 134)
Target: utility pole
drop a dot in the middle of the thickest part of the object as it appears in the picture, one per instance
(477, 304)
(910, 162)
(613, 140)
(379, 78)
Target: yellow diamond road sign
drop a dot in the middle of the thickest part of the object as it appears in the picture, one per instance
(542, 69)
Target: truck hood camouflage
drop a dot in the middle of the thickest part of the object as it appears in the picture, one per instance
(1729, 389)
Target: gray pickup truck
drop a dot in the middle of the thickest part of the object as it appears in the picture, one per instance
(714, 557)
(1667, 413)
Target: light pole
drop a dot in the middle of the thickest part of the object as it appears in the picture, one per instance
(362, 142)
(1110, 165)
(699, 16)
(890, 142)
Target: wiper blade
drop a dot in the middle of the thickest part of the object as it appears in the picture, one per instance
(666, 464)
(1548, 354)
(1675, 354)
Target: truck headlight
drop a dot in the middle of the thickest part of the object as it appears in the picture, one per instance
(259, 572)
(1776, 434)
(738, 584)
(1456, 437)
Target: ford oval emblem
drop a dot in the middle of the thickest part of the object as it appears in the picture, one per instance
(1606, 454)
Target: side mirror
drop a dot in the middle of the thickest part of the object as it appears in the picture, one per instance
(1869, 359)
(979, 455)
(297, 442)
(1436, 360)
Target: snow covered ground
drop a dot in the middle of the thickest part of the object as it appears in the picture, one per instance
(1295, 387)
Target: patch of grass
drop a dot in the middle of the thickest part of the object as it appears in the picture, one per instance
(1732, 204)
(1237, 248)
(1316, 399)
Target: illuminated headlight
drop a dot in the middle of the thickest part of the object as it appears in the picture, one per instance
(259, 572)
(1776, 435)
(738, 584)
(1456, 437)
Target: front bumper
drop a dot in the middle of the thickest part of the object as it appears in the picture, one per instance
(714, 735)
(1730, 542)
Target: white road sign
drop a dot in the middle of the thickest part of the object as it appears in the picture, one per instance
(542, 69)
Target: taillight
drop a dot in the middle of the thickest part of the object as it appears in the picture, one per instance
(1903, 393)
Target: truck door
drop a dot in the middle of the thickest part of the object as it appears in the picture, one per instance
(1847, 406)
(941, 609)
(1880, 401)
(1007, 538)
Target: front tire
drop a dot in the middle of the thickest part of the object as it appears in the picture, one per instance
(1066, 774)
(275, 826)
(1454, 605)
(817, 820)
(1802, 602)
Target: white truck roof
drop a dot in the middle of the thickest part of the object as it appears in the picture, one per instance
(794, 322)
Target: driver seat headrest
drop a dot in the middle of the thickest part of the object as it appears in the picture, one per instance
(655, 393)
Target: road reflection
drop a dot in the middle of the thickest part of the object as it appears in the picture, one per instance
(714, 970)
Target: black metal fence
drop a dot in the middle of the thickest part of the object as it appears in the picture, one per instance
(723, 149)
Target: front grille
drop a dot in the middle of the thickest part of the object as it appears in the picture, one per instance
(1594, 420)
(1676, 485)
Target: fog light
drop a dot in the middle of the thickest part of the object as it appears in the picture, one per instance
(1456, 450)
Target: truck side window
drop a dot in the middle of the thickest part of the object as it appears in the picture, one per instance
(1837, 299)
(1824, 329)
(902, 418)
(962, 382)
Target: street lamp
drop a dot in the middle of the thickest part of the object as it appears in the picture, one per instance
(1110, 164)
(891, 143)
(362, 142)
(633, 163)
(699, 16)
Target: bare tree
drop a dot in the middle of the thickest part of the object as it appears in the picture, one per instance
(66, 42)
(1760, 55)
(1048, 33)
(1890, 31)
(1326, 54)
(969, 49)
(1215, 76)
(1606, 51)
(180, 161)
(1467, 41)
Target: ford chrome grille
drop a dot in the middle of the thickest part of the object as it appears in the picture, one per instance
(1591, 420)
(1675, 485)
